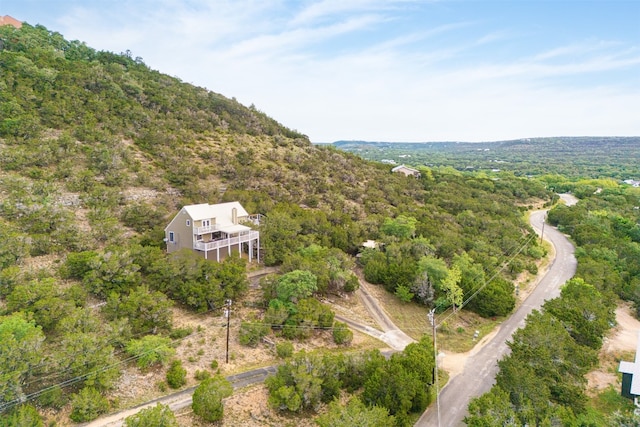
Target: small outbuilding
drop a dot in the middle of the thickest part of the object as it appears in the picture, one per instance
(631, 377)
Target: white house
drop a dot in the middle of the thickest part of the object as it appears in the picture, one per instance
(406, 170)
(215, 231)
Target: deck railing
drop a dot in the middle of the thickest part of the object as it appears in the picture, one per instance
(243, 237)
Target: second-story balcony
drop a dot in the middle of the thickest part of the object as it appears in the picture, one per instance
(207, 229)
(243, 237)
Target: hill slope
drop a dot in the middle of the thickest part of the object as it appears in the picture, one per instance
(98, 152)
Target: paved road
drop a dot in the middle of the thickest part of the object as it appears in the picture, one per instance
(452, 398)
(390, 335)
(481, 368)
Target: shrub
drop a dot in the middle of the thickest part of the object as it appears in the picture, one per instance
(352, 284)
(202, 375)
(284, 349)
(150, 350)
(88, 405)
(207, 398)
(342, 334)
(176, 375)
(24, 415)
(252, 332)
(156, 416)
(53, 398)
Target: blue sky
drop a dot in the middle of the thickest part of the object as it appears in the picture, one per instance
(394, 70)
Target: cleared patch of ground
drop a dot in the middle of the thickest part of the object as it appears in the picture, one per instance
(620, 344)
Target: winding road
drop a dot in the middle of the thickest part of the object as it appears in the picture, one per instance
(478, 375)
(480, 368)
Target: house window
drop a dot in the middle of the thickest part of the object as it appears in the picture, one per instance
(206, 222)
(188, 223)
(199, 237)
(171, 237)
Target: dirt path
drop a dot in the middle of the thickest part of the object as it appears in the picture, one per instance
(621, 339)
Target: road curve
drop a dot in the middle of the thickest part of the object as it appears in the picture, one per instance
(478, 375)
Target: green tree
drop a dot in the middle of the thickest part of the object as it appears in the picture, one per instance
(43, 299)
(20, 352)
(87, 405)
(392, 387)
(624, 419)
(176, 374)
(147, 311)
(150, 350)
(77, 264)
(23, 416)
(404, 294)
(189, 279)
(402, 227)
(14, 245)
(297, 385)
(252, 332)
(545, 364)
(279, 234)
(586, 314)
(496, 298)
(492, 409)
(355, 414)
(156, 416)
(296, 285)
(342, 334)
(207, 398)
(85, 351)
(450, 287)
(112, 271)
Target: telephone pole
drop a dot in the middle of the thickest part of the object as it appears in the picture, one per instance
(227, 313)
(432, 319)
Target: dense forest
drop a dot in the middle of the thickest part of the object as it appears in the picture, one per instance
(98, 152)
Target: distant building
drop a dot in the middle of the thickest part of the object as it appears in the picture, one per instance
(214, 231)
(370, 244)
(8, 20)
(632, 182)
(631, 377)
(406, 170)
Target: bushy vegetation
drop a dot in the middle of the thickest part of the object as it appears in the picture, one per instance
(98, 152)
(398, 386)
(542, 380)
(207, 398)
(158, 416)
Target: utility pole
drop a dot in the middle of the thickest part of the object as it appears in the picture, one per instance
(432, 319)
(544, 219)
(227, 313)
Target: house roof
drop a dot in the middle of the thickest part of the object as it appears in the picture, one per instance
(9, 20)
(401, 167)
(234, 228)
(633, 368)
(222, 212)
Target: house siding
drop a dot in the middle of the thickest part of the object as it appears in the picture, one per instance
(183, 233)
(213, 231)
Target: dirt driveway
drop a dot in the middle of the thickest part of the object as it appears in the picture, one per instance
(622, 341)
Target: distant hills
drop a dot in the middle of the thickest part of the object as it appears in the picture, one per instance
(587, 157)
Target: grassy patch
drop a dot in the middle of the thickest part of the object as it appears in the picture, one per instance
(610, 400)
(455, 332)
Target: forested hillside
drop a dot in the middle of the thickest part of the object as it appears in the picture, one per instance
(98, 152)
